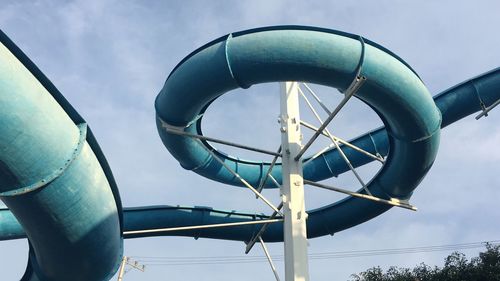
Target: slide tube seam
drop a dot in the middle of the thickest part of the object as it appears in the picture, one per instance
(228, 62)
(72, 113)
(56, 173)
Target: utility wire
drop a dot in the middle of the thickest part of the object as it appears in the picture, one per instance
(213, 260)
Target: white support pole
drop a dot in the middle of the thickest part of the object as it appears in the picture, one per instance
(292, 190)
(122, 268)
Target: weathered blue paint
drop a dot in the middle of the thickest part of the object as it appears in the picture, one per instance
(318, 56)
(52, 180)
(62, 195)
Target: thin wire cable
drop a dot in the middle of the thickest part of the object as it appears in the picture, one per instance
(214, 260)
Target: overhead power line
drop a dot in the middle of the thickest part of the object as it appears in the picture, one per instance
(213, 260)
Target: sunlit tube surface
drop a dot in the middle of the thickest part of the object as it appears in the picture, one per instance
(62, 196)
(318, 56)
(53, 178)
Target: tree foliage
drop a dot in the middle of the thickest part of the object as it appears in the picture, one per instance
(485, 267)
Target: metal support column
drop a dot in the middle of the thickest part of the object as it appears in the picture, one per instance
(122, 268)
(292, 190)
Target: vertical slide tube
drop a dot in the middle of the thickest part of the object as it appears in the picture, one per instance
(53, 183)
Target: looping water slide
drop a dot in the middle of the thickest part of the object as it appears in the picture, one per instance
(61, 194)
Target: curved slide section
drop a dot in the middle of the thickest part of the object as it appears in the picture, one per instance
(52, 179)
(277, 54)
(9, 226)
(454, 104)
(61, 193)
(154, 217)
(333, 59)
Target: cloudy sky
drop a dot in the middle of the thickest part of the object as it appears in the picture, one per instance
(111, 58)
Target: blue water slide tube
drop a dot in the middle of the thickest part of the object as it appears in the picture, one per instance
(412, 120)
(455, 103)
(41, 213)
(54, 178)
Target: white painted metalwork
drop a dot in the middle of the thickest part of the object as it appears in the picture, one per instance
(126, 261)
(346, 143)
(178, 131)
(317, 154)
(242, 180)
(276, 183)
(487, 109)
(325, 108)
(269, 259)
(201, 226)
(351, 90)
(121, 272)
(292, 207)
(254, 239)
(335, 142)
(269, 170)
(392, 202)
(292, 190)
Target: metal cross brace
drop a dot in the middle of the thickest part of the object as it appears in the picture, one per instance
(201, 137)
(393, 202)
(335, 142)
(257, 236)
(351, 90)
(269, 259)
(487, 109)
(191, 227)
(346, 143)
(242, 180)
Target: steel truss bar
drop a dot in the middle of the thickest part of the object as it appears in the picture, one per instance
(268, 256)
(392, 202)
(328, 147)
(487, 109)
(201, 137)
(121, 271)
(325, 108)
(351, 90)
(334, 141)
(136, 265)
(180, 228)
(355, 84)
(269, 170)
(275, 181)
(346, 143)
(242, 180)
(252, 241)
